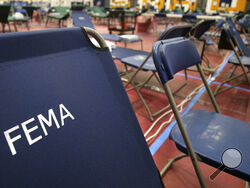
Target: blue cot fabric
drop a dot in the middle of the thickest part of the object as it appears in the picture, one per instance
(211, 134)
(100, 145)
(120, 52)
(81, 19)
(136, 61)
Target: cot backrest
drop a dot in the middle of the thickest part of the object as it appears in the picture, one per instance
(65, 118)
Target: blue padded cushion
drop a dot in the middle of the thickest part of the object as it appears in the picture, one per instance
(81, 19)
(173, 55)
(211, 134)
(103, 145)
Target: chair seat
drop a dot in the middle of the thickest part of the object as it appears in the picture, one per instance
(137, 60)
(245, 60)
(130, 38)
(211, 134)
(13, 19)
(120, 52)
(58, 15)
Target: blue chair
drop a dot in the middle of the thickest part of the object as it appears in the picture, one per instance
(201, 134)
(4, 13)
(198, 32)
(230, 39)
(81, 18)
(144, 62)
(65, 118)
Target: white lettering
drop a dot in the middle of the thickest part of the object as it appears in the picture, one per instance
(28, 131)
(49, 122)
(68, 114)
(11, 140)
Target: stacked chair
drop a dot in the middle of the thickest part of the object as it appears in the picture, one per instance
(143, 61)
(230, 39)
(56, 128)
(201, 134)
(198, 32)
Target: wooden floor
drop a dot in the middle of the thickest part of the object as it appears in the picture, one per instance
(235, 103)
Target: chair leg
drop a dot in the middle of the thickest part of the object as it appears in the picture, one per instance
(182, 85)
(218, 90)
(241, 64)
(3, 26)
(15, 27)
(46, 23)
(170, 162)
(185, 136)
(9, 27)
(247, 184)
(27, 25)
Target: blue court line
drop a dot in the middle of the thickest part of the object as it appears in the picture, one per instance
(163, 137)
(215, 82)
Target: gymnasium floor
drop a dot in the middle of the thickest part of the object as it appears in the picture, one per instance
(234, 102)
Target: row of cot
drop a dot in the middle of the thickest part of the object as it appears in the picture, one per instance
(142, 60)
(90, 136)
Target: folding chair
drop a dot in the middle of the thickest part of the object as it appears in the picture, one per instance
(144, 62)
(58, 13)
(121, 21)
(201, 134)
(198, 32)
(81, 18)
(4, 13)
(56, 129)
(230, 39)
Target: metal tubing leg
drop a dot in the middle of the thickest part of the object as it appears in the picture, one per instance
(241, 64)
(144, 102)
(218, 90)
(182, 85)
(247, 184)
(170, 162)
(139, 68)
(232, 73)
(185, 136)
(210, 93)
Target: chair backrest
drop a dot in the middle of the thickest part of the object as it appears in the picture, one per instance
(232, 32)
(4, 13)
(65, 118)
(81, 19)
(229, 32)
(188, 16)
(169, 61)
(30, 10)
(176, 31)
(201, 27)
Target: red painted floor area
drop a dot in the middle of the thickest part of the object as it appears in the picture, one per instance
(234, 103)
